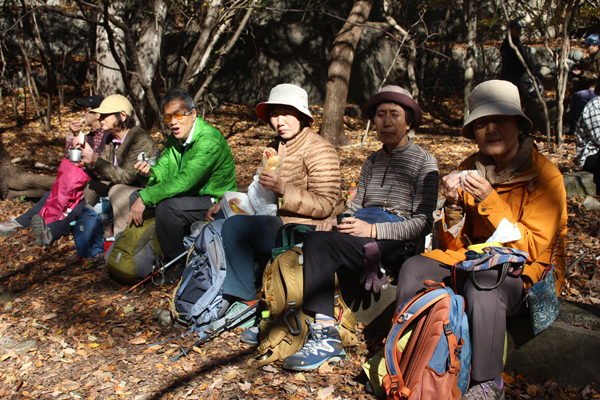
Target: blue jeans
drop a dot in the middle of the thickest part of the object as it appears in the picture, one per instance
(58, 228)
(246, 238)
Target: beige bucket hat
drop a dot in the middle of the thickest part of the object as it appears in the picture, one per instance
(495, 97)
(114, 104)
(288, 95)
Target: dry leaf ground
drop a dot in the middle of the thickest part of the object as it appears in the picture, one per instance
(70, 332)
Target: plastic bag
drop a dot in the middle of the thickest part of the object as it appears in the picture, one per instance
(263, 201)
(270, 162)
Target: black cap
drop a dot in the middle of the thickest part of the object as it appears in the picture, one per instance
(90, 101)
(515, 24)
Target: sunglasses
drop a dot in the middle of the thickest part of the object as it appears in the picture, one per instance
(178, 115)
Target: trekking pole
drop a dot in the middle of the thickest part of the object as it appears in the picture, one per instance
(228, 321)
(157, 271)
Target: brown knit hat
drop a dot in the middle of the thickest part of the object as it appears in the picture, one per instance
(393, 94)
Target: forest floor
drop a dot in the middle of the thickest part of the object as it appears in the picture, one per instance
(81, 335)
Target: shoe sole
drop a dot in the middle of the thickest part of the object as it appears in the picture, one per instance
(37, 227)
(332, 360)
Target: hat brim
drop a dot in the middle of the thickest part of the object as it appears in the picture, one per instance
(493, 108)
(106, 110)
(262, 110)
(397, 98)
(93, 101)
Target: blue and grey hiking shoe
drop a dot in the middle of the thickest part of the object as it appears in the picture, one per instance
(236, 316)
(324, 343)
(10, 227)
(43, 236)
(485, 391)
(250, 335)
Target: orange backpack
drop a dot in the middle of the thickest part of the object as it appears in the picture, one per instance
(436, 358)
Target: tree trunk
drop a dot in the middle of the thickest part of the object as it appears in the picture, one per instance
(16, 183)
(226, 49)
(340, 66)
(410, 45)
(563, 69)
(210, 21)
(148, 49)
(471, 17)
(109, 78)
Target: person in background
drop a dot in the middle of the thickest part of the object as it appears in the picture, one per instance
(585, 77)
(195, 170)
(587, 132)
(96, 139)
(399, 182)
(509, 179)
(512, 68)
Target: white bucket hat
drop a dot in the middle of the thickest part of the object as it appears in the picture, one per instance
(288, 95)
(495, 97)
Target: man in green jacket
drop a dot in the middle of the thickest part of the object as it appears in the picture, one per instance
(195, 169)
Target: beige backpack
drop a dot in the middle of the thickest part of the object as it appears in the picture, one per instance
(283, 287)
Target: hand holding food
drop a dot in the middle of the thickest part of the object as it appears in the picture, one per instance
(272, 162)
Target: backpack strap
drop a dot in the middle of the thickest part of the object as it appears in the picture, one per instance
(216, 286)
(294, 290)
(290, 242)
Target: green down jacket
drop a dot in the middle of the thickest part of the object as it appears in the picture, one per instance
(204, 167)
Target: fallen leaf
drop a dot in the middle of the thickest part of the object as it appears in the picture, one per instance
(271, 369)
(327, 392)
(138, 340)
(69, 385)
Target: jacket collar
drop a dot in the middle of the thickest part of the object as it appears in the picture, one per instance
(297, 141)
(523, 161)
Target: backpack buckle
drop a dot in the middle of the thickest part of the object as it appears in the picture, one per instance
(447, 329)
(293, 331)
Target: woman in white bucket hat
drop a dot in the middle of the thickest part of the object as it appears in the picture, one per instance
(306, 181)
(508, 179)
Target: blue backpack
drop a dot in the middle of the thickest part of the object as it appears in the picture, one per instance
(87, 234)
(197, 300)
(433, 358)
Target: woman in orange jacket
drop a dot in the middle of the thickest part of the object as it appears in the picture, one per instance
(506, 179)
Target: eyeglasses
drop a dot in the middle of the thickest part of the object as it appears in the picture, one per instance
(178, 115)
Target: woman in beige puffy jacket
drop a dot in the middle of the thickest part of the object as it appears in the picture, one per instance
(307, 185)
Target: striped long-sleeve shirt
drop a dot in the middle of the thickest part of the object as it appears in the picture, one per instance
(405, 183)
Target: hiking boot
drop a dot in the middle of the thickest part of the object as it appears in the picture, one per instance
(485, 391)
(236, 317)
(10, 227)
(250, 335)
(43, 236)
(324, 343)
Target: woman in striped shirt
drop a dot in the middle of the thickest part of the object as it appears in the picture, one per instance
(385, 225)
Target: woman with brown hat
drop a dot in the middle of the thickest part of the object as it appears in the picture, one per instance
(387, 221)
(506, 179)
(307, 185)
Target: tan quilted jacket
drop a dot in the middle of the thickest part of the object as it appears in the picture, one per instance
(310, 168)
